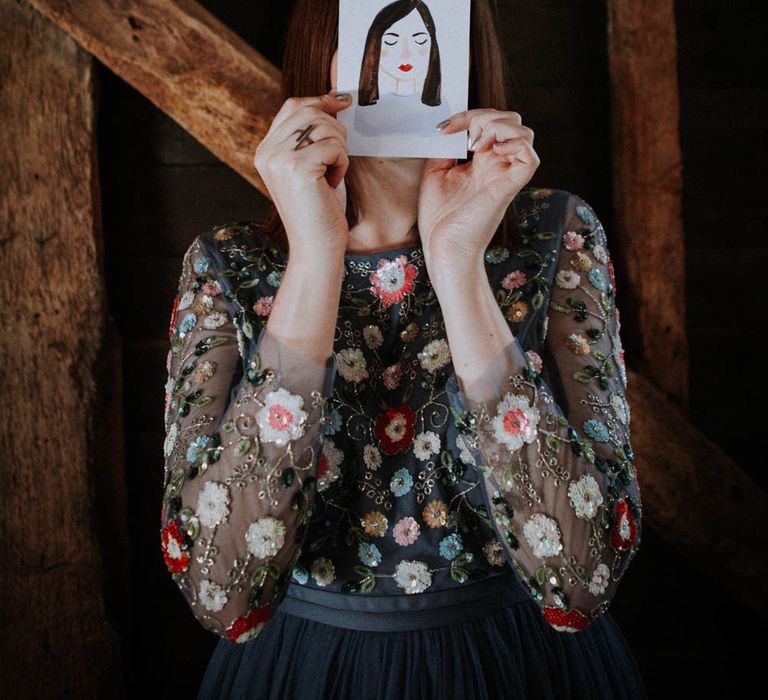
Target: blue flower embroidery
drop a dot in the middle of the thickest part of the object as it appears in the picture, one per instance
(496, 255)
(585, 214)
(597, 279)
(596, 430)
(202, 264)
(451, 546)
(401, 482)
(334, 422)
(300, 573)
(273, 278)
(369, 554)
(188, 323)
(199, 445)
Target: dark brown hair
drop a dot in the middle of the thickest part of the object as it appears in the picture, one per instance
(311, 40)
(368, 87)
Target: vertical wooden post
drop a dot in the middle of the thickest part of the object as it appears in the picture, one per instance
(56, 641)
(647, 188)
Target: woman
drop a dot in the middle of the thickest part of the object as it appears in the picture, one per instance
(398, 460)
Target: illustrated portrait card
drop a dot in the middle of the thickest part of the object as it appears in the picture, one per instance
(406, 64)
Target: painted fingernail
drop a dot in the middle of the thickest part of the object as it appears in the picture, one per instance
(443, 123)
(472, 143)
(343, 96)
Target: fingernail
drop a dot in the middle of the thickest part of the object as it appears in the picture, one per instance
(443, 123)
(343, 96)
(472, 143)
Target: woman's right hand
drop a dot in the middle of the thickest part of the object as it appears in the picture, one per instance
(307, 185)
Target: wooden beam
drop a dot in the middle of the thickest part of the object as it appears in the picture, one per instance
(698, 499)
(190, 65)
(56, 639)
(647, 189)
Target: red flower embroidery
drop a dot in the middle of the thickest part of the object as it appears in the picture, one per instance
(250, 625)
(562, 621)
(322, 466)
(613, 277)
(176, 557)
(394, 429)
(173, 316)
(393, 280)
(625, 532)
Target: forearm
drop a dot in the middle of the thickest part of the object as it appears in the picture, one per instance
(305, 308)
(476, 328)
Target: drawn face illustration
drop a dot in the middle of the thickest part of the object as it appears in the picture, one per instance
(405, 49)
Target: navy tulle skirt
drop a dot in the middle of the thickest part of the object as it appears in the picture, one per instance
(511, 653)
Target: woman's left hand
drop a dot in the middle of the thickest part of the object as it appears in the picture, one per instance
(460, 206)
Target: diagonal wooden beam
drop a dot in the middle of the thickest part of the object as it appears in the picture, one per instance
(190, 65)
(697, 498)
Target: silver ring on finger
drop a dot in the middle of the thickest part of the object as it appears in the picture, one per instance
(303, 136)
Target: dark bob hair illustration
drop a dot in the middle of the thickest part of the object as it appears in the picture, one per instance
(368, 88)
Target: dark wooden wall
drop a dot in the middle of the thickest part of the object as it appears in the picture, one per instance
(161, 188)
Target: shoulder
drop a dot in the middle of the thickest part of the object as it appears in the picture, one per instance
(579, 216)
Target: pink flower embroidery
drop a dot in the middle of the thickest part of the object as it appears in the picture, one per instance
(406, 531)
(535, 359)
(514, 279)
(263, 306)
(212, 288)
(393, 280)
(392, 375)
(573, 240)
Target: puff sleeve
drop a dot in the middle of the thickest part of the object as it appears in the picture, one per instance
(242, 434)
(551, 438)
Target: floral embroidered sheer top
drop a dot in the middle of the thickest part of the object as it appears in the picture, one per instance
(379, 472)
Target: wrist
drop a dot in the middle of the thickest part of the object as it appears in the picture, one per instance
(457, 272)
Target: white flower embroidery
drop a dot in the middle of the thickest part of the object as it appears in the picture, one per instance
(600, 253)
(372, 457)
(435, 355)
(215, 320)
(600, 579)
(351, 364)
(323, 571)
(413, 576)
(515, 421)
(543, 535)
(426, 444)
(465, 454)
(281, 419)
(241, 342)
(567, 279)
(186, 299)
(373, 337)
(619, 407)
(213, 504)
(170, 439)
(265, 537)
(212, 595)
(585, 496)
(331, 458)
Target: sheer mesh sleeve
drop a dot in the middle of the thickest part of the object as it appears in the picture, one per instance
(242, 438)
(551, 438)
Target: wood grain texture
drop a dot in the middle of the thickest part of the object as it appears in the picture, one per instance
(57, 640)
(647, 188)
(697, 498)
(194, 68)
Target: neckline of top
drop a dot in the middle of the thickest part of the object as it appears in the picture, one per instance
(382, 253)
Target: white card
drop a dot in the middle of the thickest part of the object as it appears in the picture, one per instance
(407, 69)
